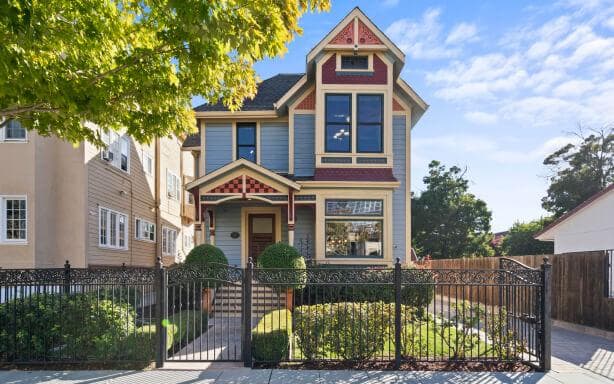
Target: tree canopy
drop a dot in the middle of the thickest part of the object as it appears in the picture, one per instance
(447, 220)
(134, 65)
(578, 171)
(520, 241)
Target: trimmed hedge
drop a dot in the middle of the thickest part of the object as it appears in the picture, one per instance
(271, 337)
(282, 256)
(211, 261)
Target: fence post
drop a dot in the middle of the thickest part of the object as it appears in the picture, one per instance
(248, 274)
(397, 314)
(67, 277)
(546, 330)
(160, 289)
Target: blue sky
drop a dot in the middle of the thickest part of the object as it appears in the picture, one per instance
(507, 81)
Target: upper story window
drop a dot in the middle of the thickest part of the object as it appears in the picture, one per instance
(173, 185)
(246, 141)
(144, 230)
(13, 131)
(370, 116)
(117, 150)
(148, 163)
(352, 62)
(169, 241)
(13, 219)
(338, 122)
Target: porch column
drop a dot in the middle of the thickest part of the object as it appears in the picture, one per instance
(211, 226)
(291, 223)
(199, 238)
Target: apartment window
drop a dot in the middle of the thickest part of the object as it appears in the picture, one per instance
(13, 219)
(246, 141)
(117, 150)
(144, 230)
(173, 185)
(188, 241)
(338, 122)
(112, 229)
(354, 228)
(189, 197)
(169, 241)
(370, 116)
(355, 62)
(148, 163)
(13, 131)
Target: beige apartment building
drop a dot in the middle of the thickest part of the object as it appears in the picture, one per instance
(93, 207)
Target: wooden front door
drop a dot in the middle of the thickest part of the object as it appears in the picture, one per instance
(261, 233)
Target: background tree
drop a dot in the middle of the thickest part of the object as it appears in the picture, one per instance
(578, 171)
(520, 241)
(447, 221)
(134, 64)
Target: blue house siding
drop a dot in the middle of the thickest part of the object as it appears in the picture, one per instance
(228, 220)
(218, 145)
(304, 231)
(304, 144)
(274, 146)
(399, 141)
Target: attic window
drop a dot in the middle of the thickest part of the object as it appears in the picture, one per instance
(354, 62)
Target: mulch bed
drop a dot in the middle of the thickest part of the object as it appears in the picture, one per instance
(459, 366)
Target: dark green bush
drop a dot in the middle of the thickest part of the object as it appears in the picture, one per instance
(421, 291)
(292, 269)
(210, 261)
(271, 337)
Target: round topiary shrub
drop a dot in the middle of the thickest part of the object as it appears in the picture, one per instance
(210, 261)
(291, 269)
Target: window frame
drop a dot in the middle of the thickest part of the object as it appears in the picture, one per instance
(114, 147)
(4, 220)
(175, 192)
(349, 124)
(354, 57)
(238, 146)
(381, 122)
(339, 60)
(138, 231)
(4, 129)
(117, 229)
(165, 241)
(147, 158)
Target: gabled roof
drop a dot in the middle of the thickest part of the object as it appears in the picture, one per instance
(269, 91)
(543, 234)
(192, 141)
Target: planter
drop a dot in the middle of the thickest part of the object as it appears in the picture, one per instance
(206, 303)
(290, 299)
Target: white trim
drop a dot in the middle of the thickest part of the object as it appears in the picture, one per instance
(3, 219)
(175, 194)
(145, 157)
(339, 68)
(3, 138)
(410, 91)
(282, 100)
(146, 222)
(114, 147)
(165, 239)
(108, 229)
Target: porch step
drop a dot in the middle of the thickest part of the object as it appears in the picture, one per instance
(228, 300)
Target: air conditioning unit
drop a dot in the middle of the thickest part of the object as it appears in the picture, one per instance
(107, 155)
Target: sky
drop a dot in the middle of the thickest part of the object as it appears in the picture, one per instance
(507, 82)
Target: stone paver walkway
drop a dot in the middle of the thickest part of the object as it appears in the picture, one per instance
(573, 349)
(222, 341)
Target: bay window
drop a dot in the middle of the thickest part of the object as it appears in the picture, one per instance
(13, 219)
(338, 123)
(112, 229)
(354, 228)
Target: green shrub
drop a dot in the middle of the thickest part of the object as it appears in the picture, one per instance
(286, 257)
(210, 261)
(271, 337)
(310, 329)
(421, 292)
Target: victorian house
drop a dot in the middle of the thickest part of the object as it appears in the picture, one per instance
(320, 160)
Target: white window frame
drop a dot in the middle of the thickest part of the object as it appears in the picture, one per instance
(188, 241)
(138, 230)
(3, 220)
(148, 160)
(3, 138)
(169, 248)
(108, 229)
(173, 190)
(113, 145)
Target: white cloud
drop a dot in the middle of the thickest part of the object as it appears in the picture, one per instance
(573, 88)
(479, 117)
(462, 32)
(390, 3)
(609, 23)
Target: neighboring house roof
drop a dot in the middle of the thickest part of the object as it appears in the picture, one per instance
(269, 91)
(192, 141)
(543, 234)
(354, 174)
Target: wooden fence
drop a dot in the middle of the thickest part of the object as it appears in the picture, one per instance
(579, 284)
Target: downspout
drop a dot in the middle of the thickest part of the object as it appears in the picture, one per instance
(157, 198)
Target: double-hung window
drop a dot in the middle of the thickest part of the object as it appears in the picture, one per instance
(116, 150)
(173, 185)
(370, 123)
(169, 241)
(353, 228)
(246, 141)
(13, 219)
(148, 163)
(13, 131)
(338, 123)
(112, 229)
(144, 230)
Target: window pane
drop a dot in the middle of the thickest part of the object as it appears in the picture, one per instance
(122, 230)
(246, 135)
(248, 153)
(354, 207)
(353, 238)
(125, 153)
(369, 138)
(103, 226)
(369, 109)
(113, 230)
(15, 219)
(354, 62)
(338, 138)
(338, 109)
(137, 229)
(14, 130)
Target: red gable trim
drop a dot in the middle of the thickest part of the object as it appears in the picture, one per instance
(378, 76)
(309, 102)
(346, 36)
(575, 210)
(354, 174)
(366, 36)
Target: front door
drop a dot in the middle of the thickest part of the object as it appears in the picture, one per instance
(261, 233)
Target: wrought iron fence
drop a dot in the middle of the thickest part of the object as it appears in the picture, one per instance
(324, 313)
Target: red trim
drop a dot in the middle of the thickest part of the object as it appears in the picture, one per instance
(354, 174)
(308, 103)
(366, 36)
(575, 210)
(346, 36)
(378, 76)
